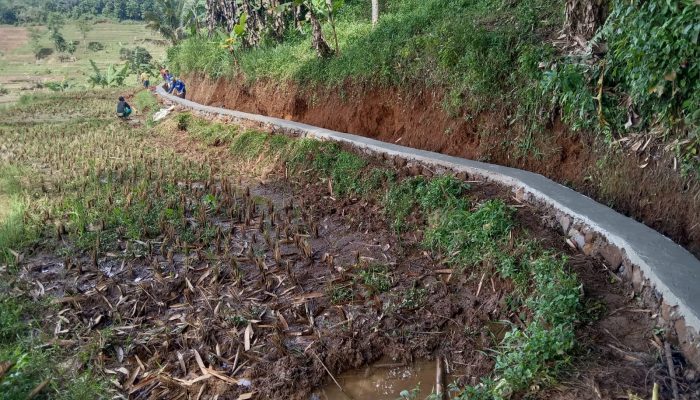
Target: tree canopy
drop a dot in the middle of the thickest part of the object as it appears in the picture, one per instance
(37, 11)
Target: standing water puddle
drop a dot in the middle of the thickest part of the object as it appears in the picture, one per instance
(383, 381)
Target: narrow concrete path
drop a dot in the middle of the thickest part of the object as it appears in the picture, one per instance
(672, 270)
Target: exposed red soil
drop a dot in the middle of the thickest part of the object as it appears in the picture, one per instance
(655, 195)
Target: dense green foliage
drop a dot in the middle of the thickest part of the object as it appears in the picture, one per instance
(469, 46)
(37, 11)
(648, 80)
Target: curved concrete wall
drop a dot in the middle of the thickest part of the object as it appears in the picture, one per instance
(641, 254)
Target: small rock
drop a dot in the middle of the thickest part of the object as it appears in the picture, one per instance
(414, 170)
(690, 375)
(578, 238)
(565, 223)
(612, 256)
(399, 162)
(637, 279)
(666, 311)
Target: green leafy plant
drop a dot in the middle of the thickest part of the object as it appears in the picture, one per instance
(340, 294)
(113, 77)
(375, 277)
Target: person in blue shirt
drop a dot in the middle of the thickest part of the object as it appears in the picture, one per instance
(179, 87)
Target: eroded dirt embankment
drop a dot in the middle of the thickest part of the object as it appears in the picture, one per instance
(634, 183)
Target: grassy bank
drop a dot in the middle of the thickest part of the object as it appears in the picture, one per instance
(506, 56)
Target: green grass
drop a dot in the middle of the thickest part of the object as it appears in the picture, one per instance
(14, 234)
(340, 294)
(20, 341)
(209, 133)
(480, 236)
(145, 101)
(249, 144)
(375, 277)
(485, 51)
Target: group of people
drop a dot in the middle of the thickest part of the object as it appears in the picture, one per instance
(171, 85)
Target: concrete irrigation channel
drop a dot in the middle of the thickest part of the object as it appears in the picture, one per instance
(639, 253)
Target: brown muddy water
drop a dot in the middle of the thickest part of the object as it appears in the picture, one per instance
(383, 380)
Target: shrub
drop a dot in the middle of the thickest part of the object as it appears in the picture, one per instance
(43, 52)
(96, 46)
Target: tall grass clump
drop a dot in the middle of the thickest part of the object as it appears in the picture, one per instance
(201, 54)
(145, 101)
(14, 233)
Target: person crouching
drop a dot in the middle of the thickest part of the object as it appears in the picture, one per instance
(123, 108)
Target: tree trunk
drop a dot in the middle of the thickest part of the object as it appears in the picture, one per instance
(317, 40)
(252, 25)
(277, 21)
(375, 12)
(220, 11)
(583, 18)
(210, 9)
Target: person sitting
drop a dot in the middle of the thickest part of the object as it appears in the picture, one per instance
(179, 87)
(123, 108)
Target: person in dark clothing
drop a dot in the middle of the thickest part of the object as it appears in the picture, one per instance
(179, 87)
(123, 108)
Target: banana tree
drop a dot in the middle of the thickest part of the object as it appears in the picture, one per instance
(113, 77)
(321, 11)
(235, 39)
(172, 17)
